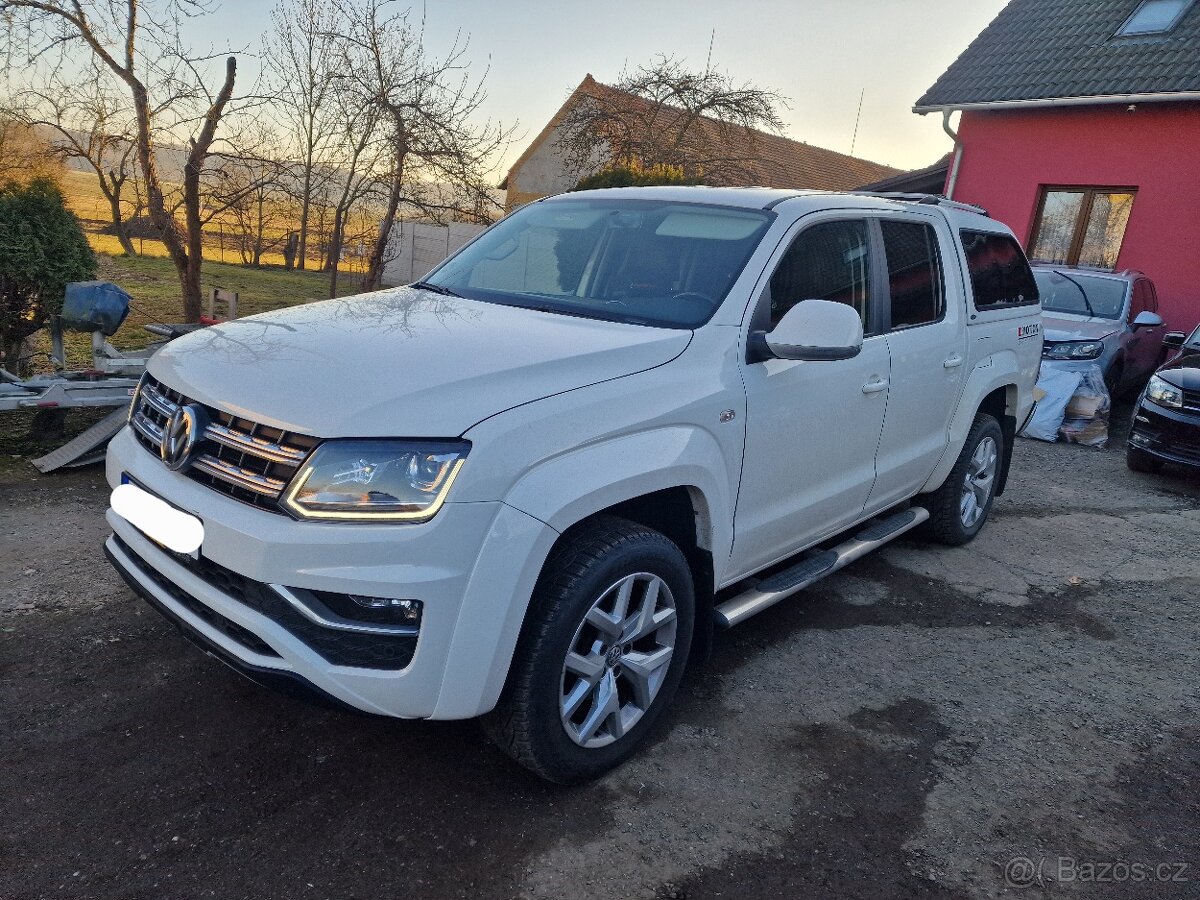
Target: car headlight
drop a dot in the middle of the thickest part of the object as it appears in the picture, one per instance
(1073, 350)
(1164, 393)
(370, 480)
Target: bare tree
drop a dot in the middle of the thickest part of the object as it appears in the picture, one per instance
(299, 57)
(91, 122)
(144, 50)
(358, 138)
(428, 109)
(247, 185)
(665, 115)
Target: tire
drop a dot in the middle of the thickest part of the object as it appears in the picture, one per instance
(568, 726)
(952, 520)
(1141, 461)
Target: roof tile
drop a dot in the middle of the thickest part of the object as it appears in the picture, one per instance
(1053, 49)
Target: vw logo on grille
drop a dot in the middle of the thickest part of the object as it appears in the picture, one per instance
(180, 435)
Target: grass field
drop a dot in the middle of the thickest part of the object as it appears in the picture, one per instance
(150, 279)
(220, 235)
(154, 288)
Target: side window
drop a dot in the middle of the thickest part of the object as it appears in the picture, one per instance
(1000, 274)
(914, 273)
(831, 261)
(1141, 298)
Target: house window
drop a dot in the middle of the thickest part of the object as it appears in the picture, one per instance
(1081, 226)
(1155, 17)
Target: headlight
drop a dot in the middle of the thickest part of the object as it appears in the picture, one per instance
(1164, 394)
(376, 480)
(1073, 350)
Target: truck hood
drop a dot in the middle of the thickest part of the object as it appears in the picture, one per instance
(1077, 328)
(401, 363)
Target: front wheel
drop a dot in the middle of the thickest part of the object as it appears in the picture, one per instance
(960, 507)
(1141, 461)
(602, 652)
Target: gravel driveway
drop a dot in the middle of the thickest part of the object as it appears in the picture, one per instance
(909, 727)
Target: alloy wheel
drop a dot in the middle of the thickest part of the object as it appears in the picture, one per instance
(618, 660)
(979, 481)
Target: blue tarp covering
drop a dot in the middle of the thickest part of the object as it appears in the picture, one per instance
(94, 306)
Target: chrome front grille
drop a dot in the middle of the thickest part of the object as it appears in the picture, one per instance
(244, 459)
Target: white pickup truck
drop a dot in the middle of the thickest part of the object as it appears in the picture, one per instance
(528, 487)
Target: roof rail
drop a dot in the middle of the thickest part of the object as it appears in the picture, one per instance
(925, 200)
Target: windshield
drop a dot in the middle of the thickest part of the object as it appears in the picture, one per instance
(1081, 294)
(644, 262)
(1194, 340)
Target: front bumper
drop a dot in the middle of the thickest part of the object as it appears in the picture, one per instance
(280, 680)
(1169, 434)
(473, 566)
(1079, 365)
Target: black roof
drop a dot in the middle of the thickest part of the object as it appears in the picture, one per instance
(930, 180)
(1053, 49)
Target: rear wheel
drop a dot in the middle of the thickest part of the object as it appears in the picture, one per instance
(602, 652)
(960, 507)
(1141, 461)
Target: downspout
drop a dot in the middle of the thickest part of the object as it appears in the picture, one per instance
(958, 152)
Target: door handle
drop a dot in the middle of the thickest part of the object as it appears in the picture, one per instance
(954, 362)
(876, 386)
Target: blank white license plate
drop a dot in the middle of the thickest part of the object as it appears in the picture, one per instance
(158, 520)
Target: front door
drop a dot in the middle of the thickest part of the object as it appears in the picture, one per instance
(812, 428)
(1143, 346)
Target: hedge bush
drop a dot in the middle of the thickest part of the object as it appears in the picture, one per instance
(42, 248)
(634, 176)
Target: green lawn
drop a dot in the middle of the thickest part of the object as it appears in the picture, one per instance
(151, 282)
(154, 287)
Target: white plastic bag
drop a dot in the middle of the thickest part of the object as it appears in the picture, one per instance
(1086, 417)
(1058, 388)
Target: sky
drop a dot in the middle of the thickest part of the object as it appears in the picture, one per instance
(821, 54)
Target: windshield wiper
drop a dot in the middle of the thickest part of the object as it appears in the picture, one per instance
(1086, 301)
(434, 288)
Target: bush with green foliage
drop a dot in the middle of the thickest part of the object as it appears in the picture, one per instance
(42, 248)
(634, 176)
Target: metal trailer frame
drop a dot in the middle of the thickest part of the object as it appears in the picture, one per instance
(111, 381)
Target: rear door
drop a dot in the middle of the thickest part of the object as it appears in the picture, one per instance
(926, 338)
(812, 428)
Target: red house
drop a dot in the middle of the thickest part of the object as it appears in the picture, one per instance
(1080, 129)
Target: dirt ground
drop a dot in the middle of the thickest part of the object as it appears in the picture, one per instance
(1015, 717)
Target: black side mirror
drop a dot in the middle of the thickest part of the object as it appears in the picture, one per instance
(1174, 339)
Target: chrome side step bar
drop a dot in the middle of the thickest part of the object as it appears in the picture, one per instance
(814, 566)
